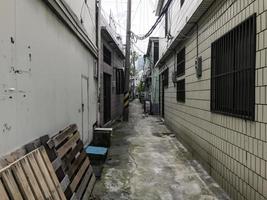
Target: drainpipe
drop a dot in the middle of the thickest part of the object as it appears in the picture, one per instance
(197, 40)
(99, 64)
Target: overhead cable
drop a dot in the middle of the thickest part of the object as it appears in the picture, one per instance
(164, 10)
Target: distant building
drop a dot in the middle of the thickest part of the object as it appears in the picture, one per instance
(112, 75)
(213, 85)
(152, 74)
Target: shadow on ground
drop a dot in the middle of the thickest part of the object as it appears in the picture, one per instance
(146, 162)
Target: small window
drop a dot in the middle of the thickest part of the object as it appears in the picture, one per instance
(182, 2)
(107, 55)
(156, 52)
(119, 81)
(233, 71)
(180, 95)
(166, 78)
(181, 63)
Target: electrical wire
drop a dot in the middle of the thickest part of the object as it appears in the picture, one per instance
(141, 51)
(105, 14)
(89, 11)
(81, 11)
(151, 30)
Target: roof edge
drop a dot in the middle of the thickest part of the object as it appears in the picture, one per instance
(120, 51)
(192, 21)
(69, 18)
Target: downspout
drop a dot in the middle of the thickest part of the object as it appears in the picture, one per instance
(99, 64)
(197, 40)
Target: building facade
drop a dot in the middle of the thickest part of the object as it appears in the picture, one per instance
(112, 74)
(213, 85)
(48, 55)
(151, 74)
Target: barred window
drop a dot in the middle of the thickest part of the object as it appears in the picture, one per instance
(233, 71)
(156, 52)
(119, 81)
(166, 24)
(181, 63)
(180, 95)
(107, 55)
(166, 78)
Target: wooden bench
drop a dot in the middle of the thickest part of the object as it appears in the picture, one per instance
(31, 177)
(71, 163)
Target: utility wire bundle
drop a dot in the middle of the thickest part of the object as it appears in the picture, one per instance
(164, 10)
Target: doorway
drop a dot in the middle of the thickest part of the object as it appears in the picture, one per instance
(85, 109)
(162, 96)
(107, 98)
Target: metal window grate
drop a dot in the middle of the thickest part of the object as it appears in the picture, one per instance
(156, 52)
(181, 63)
(233, 71)
(107, 55)
(166, 78)
(180, 95)
(119, 81)
(166, 24)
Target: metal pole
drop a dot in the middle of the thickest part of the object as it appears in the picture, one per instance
(127, 63)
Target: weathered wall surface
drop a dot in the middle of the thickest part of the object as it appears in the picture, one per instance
(87, 12)
(47, 86)
(234, 150)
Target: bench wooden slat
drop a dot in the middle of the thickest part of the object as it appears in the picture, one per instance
(40, 178)
(47, 177)
(81, 189)
(52, 174)
(76, 164)
(57, 163)
(65, 183)
(79, 175)
(32, 180)
(68, 158)
(89, 188)
(11, 185)
(22, 181)
(68, 145)
(62, 135)
(74, 197)
(3, 192)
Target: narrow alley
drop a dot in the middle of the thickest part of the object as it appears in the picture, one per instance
(147, 162)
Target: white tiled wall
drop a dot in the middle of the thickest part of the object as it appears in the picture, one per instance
(232, 149)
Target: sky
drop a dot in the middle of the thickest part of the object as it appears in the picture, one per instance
(143, 17)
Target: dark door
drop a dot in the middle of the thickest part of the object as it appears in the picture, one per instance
(107, 98)
(162, 96)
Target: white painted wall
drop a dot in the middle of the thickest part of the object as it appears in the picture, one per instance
(47, 94)
(87, 13)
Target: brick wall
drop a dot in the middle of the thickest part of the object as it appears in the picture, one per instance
(232, 149)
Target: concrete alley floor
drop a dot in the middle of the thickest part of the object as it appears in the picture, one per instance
(146, 162)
